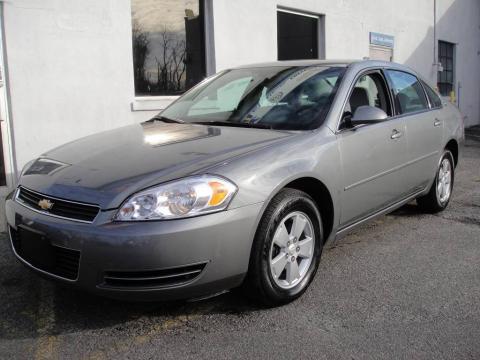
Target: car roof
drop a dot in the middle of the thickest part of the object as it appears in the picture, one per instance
(354, 64)
(343, 63)
(340, 63)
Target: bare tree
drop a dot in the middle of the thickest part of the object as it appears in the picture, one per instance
(141, 50)
(178, 64)
(167, 73)
(170, 67)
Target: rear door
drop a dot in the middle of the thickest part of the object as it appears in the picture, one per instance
(424, 128)
(373, 156)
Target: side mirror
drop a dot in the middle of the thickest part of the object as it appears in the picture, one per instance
(368, 115)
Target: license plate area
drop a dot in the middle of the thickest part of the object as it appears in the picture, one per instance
(37, 250)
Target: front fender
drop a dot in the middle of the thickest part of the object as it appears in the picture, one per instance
(262, 174)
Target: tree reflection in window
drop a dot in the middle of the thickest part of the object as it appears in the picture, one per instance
(168, 46)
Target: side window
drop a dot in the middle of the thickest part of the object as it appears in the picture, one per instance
(370, 90)
(409, 94)
(432, 96)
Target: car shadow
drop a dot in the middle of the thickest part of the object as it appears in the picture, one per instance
(77, 310)
(31, 307)
(408, 210)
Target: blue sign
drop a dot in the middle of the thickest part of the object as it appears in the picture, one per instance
(381, 39)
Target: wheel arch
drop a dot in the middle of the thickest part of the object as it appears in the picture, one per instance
(319, 192)
(452, 146)
(316, 189)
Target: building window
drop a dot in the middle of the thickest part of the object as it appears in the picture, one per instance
(297, 35)
(446, 78)
(168, 46)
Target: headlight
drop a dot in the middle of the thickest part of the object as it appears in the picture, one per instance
(178, 199)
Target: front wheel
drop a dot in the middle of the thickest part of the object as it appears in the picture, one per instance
(286, 250)
(439, 195)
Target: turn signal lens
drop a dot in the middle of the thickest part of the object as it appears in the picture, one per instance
(219, 193)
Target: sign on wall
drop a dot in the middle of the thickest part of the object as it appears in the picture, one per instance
(381, 39)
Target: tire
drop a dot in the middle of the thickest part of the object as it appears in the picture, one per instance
(267, 283)
(436, 201)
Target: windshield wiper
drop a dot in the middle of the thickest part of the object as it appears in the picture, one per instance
(234, 124)
(165, 119)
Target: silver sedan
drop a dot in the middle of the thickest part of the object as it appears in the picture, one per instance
(238, 183)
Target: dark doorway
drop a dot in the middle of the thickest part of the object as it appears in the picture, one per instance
(297, 36)
(3, 179)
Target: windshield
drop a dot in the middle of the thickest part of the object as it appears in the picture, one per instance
(289, 98)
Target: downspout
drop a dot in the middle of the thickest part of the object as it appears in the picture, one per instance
(6, 81)
(435, 32)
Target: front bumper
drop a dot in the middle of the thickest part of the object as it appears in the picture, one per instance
(221, 241)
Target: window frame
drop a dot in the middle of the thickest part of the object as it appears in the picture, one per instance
(160, 102)
(361, 73)
(431, 104)
(398, 114)
(391, 93)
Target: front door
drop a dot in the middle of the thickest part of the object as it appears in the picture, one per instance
(373, 156)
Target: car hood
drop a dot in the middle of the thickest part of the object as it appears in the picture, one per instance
(108, 167)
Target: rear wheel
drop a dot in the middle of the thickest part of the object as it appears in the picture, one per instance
(286, 249)
(439, 195)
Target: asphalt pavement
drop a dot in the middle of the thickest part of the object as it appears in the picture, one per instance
(406, 286)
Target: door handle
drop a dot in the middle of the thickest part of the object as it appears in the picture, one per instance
(437, 122)
(396, 134)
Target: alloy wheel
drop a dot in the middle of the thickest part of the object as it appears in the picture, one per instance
(444, 181)
(291, 251)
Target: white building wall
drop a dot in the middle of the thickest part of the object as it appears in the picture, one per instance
(458, 22)
(246, 32)
(243, 35)
(70, 62)
(70, 70)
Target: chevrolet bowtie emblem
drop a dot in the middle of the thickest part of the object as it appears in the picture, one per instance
(45, 204)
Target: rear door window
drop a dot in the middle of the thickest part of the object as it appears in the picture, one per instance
(408, 92)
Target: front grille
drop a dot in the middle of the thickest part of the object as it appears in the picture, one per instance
(61, 208)
(153, 278)
(41, 254)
